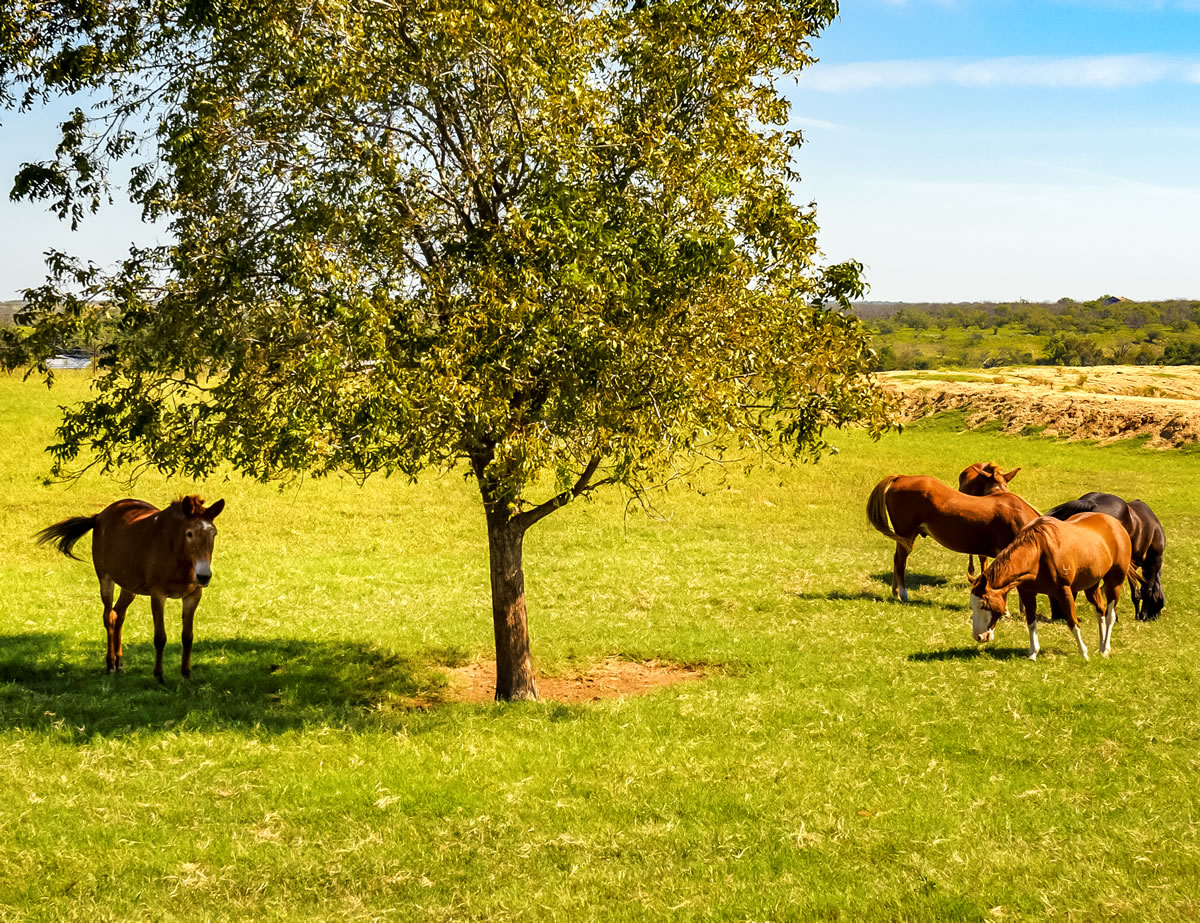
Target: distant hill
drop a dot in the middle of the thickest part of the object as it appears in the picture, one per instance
(7, 310)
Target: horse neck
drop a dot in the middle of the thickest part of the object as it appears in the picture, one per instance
(1015, 563)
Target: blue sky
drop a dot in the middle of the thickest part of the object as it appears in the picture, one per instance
(961, 149)
(965, 149)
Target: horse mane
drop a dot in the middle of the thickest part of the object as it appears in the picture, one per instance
(1071, 507)
(1026, 536)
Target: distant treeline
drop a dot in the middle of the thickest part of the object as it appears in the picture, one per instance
(1102, 331)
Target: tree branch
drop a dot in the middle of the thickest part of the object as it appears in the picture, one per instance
(542, 510)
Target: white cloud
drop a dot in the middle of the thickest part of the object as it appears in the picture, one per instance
(1093, 71)
(800, 121)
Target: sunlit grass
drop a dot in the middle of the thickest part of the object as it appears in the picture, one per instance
(855, 759)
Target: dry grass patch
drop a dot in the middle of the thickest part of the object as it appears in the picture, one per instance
(1105, 404)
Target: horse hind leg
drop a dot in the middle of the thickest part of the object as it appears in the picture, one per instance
(1112, 593)
(106, 597)
(1097, 600)
(1066, 603)
(122, 606)
(899, 562)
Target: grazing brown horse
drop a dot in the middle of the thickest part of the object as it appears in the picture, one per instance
(904, 507)
(1088, 552)
(980, 480)
(163, 554)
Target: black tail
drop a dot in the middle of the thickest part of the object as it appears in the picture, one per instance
(66, 533)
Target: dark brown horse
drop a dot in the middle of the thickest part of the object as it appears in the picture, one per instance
(1088, 552)
(163, 554)
(1146, 537)
(903, 507)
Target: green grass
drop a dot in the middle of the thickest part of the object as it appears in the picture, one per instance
(856, 759)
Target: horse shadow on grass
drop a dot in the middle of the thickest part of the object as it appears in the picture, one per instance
(970, 653)
(53, 685)
(912, 580)
(843, 596)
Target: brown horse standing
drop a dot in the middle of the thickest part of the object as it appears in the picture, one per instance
(979, 480)
(163, 554)
(1088, 552)
(904, 507)
(983, 478)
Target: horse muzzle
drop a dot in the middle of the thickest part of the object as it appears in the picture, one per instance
(203, 575)
(984, 637)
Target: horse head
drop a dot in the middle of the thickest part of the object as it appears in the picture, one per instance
(988, 606)
(195, 535)
(983, 478)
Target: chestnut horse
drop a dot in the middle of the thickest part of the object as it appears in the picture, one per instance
(163, 554)
(1146, 537)
(1088, 552)
(979, 480)
(983, 478)
(904, 507)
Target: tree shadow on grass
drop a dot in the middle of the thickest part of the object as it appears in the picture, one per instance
(272, 686)
(970, 653)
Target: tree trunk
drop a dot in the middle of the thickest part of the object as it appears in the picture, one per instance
(514, 668)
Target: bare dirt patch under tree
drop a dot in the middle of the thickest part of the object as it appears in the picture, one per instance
(610, 679)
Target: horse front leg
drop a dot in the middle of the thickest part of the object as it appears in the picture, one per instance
(106, 597)
(1029, 604)
(158, 604)
(1066, 605)
(189, 611)
(899, 560)
(122, 606)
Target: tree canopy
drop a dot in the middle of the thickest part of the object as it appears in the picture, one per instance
(538, 237)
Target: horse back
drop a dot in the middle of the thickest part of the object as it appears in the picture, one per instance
(961, 522)
(127, 543)
(1150, 535)
(1101, 540)
(1093, 502)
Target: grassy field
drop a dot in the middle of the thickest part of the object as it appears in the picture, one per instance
(850, 759)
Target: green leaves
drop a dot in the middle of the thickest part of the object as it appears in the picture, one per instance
(531, 234)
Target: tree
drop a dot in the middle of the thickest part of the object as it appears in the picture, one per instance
(535, 238)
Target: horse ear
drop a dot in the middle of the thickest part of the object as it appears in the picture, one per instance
(1012, 474)
(192, 506)
(978, 583)
(214, 511)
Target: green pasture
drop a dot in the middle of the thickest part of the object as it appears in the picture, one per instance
(848, 757)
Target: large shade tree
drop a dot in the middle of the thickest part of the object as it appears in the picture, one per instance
(553, 241)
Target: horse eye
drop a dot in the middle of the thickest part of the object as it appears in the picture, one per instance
(189, 535)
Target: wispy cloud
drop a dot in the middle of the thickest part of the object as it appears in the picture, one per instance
(1093, 71)
(800, 121)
